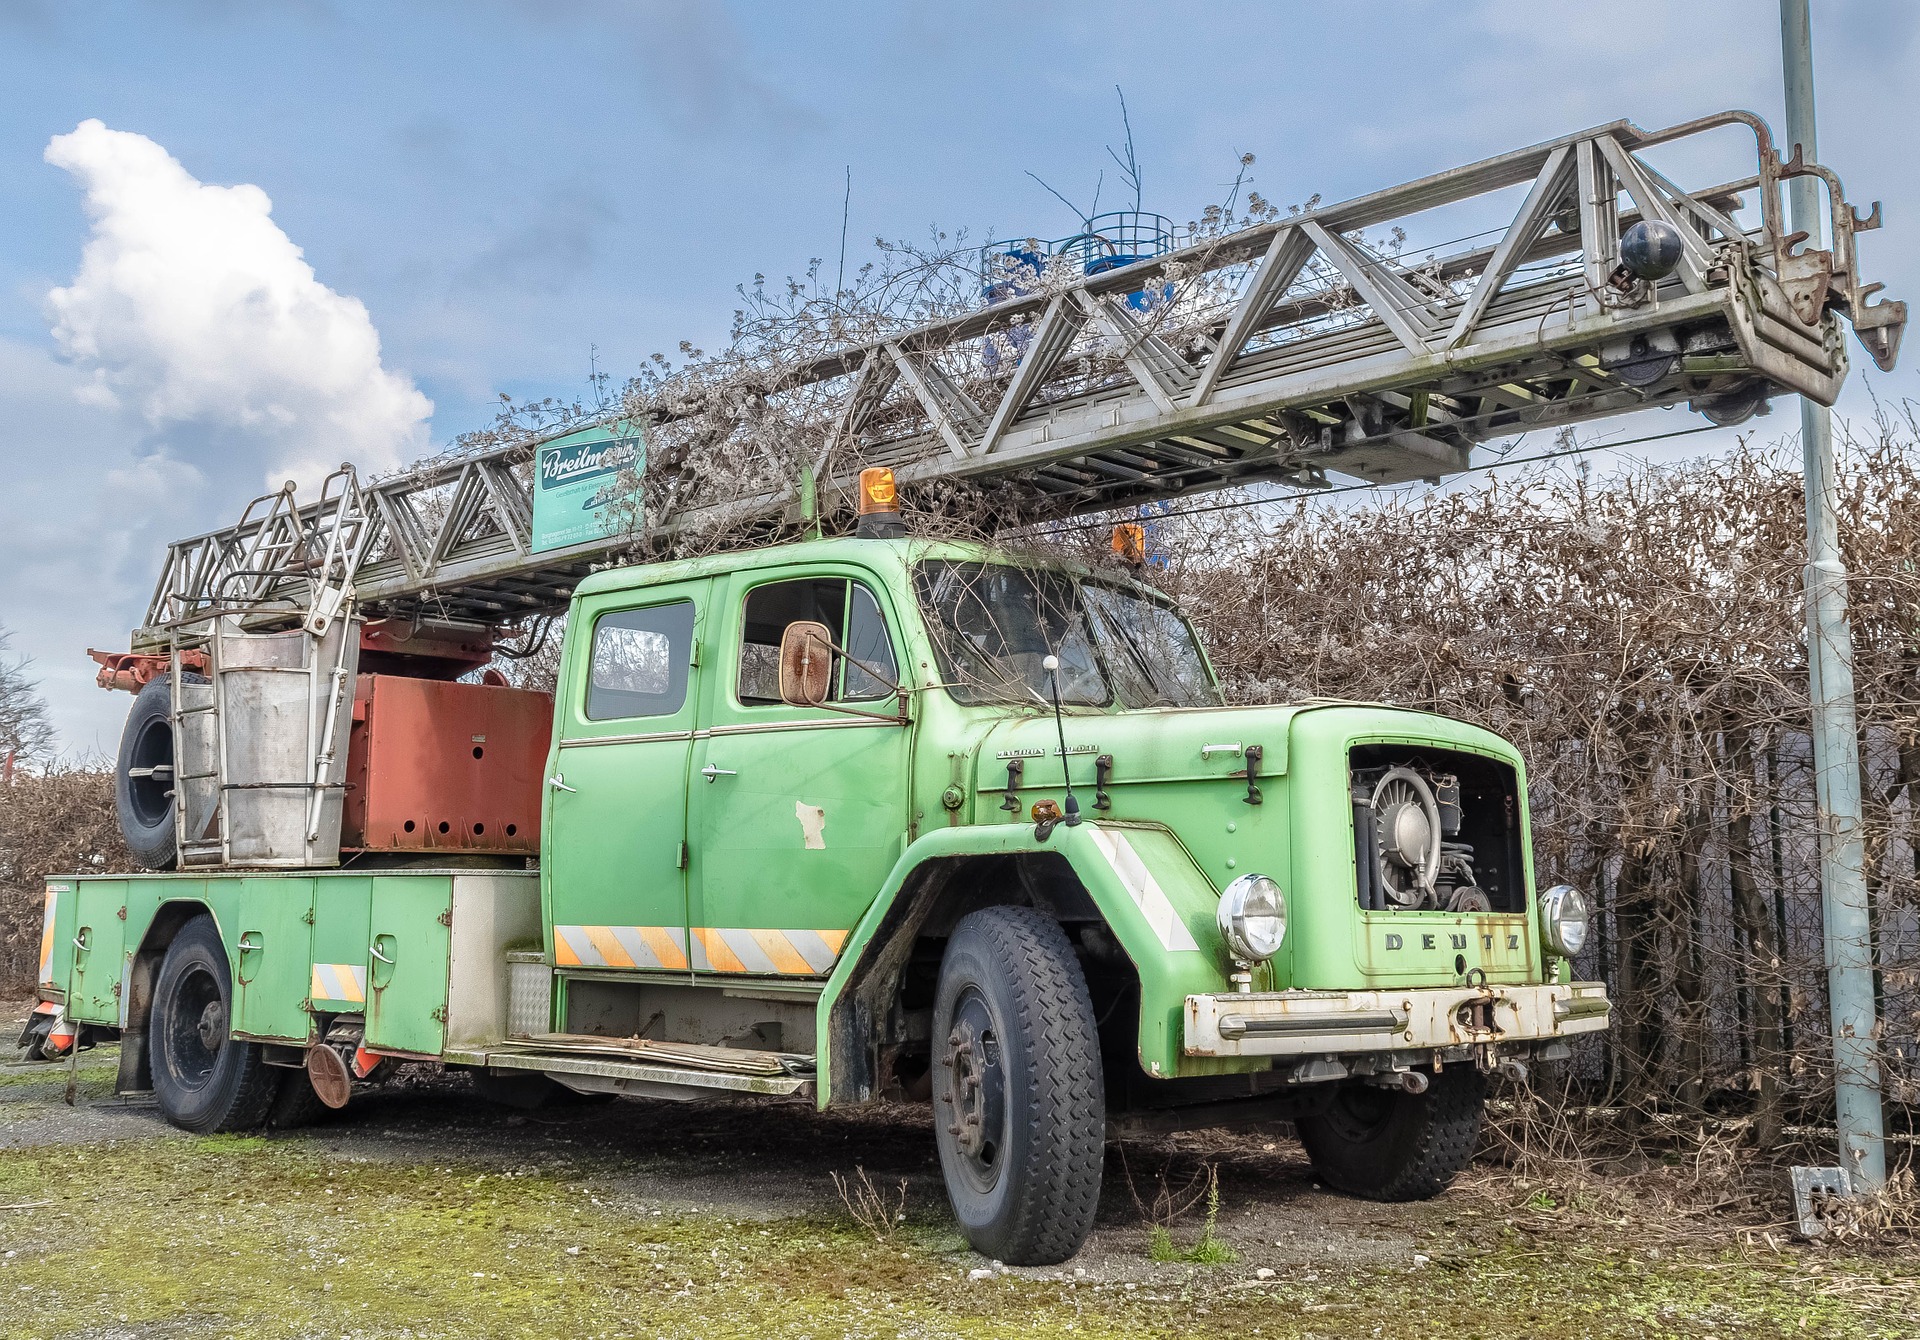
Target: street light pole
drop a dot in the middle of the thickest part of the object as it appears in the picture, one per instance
(1846, 918)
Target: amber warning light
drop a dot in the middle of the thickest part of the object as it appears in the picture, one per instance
(879, 506)
(1130, 542)
(877, 493)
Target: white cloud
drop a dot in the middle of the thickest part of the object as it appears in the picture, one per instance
(88, 508)
(193, 307)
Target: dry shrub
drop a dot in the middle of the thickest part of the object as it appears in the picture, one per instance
(57, 819)
(1891, 1214)
(1642, 641)
(868, 1206)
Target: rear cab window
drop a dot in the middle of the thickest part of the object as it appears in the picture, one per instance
(639, 662)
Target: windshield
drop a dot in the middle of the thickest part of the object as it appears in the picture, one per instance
(993, 626)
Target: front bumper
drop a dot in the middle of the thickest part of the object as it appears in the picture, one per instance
(1335, 1023)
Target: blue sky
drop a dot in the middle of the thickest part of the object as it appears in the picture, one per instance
(506, 186)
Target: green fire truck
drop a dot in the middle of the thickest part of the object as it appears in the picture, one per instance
(849, 821)
(871, 817)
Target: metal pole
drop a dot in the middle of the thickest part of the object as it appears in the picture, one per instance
(1845, 916)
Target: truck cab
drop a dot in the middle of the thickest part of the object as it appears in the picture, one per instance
(886, 819)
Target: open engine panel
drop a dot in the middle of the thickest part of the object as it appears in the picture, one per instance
(1435, 830)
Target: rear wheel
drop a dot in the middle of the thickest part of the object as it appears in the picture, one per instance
(1387, 1144)
(1018, 1100)
(204, 1079)
(294, 1102)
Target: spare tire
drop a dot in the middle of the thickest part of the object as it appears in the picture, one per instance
(143, 783)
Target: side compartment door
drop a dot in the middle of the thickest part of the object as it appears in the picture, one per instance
(411, 921)
(798, 813)
(613, 859)
(99, 939)
(271, 958)
(342, 934)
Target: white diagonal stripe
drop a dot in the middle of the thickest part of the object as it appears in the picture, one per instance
(813, 947)
(1144, 889)
(748, 951)
(580, 944)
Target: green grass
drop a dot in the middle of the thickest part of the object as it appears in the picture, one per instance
(93, 1078)
(1209, 1249)
(276, 1237)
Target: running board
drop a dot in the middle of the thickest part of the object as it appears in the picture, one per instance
(638, 1079)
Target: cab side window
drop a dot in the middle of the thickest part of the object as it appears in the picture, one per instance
(638, 666)
(863, 674)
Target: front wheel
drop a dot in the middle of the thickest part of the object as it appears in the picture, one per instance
(204, 1079)
(1387, 1144)
(1019, 1108)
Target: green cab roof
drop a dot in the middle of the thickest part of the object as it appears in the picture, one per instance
(897, 555)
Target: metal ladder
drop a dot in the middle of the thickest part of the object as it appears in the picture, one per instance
(1282, 353)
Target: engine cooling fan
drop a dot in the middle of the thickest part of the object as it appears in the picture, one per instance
(1407, 824)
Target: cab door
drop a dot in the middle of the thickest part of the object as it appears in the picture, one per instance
(796, 814)
(613, 860)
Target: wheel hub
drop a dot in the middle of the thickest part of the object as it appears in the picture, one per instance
(966, 1058)
(974, 1091)
(212, 1027)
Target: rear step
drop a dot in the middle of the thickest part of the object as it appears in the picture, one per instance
(646, 1069)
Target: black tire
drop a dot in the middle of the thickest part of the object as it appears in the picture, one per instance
(1387, 1144)
(295, 1104)
(205, 1079)
(145, 803)
(1012, 1011)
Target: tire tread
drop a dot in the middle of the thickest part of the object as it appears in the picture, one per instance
(251, 1098)
(1066, 1121)
(1444, 1130)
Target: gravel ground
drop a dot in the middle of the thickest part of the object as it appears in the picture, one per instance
(758, 1161)
(755, 1179)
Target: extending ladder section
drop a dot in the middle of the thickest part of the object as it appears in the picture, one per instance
(1282, 353)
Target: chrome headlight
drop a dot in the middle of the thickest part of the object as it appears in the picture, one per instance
(1252, 918)
(1564, 918)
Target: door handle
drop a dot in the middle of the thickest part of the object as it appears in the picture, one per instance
(374, 949)
(559, 783)
(710, 772)
(246, 946)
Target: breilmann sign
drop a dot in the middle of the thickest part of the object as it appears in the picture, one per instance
(586, 486)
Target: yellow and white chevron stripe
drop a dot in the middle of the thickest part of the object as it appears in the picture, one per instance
(781, 953)
(339, 982)
(663, 947)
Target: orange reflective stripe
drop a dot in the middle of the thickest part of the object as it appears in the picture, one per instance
(608, 946)
(720, 957)
(836, 940)
(669, 953)
(563, 953)
(46, 940)
(776, 946)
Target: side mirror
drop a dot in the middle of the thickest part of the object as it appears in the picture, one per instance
(806, 664)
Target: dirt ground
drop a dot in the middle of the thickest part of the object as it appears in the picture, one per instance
(423, 1211)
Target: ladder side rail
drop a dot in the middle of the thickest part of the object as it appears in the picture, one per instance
(1354, 356)
(1365, 211)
